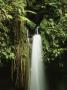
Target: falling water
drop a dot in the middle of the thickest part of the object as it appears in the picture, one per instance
(37, 80)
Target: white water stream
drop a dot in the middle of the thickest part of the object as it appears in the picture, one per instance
(37, 76)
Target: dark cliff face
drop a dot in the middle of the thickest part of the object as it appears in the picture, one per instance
(57, 73)
(5, 77)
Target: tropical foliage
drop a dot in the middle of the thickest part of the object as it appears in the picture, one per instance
(9, 10)
(52, 19)
(16, 16)
(53, 23)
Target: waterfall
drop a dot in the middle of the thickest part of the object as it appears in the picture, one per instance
(37, 78)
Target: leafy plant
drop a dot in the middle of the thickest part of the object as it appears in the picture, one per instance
(53, 37)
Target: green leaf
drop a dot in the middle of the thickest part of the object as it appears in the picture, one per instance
(9, 17)
(30, 11)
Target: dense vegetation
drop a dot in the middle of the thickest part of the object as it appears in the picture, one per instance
(49, 15)
(52, 18)
(16, 16)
